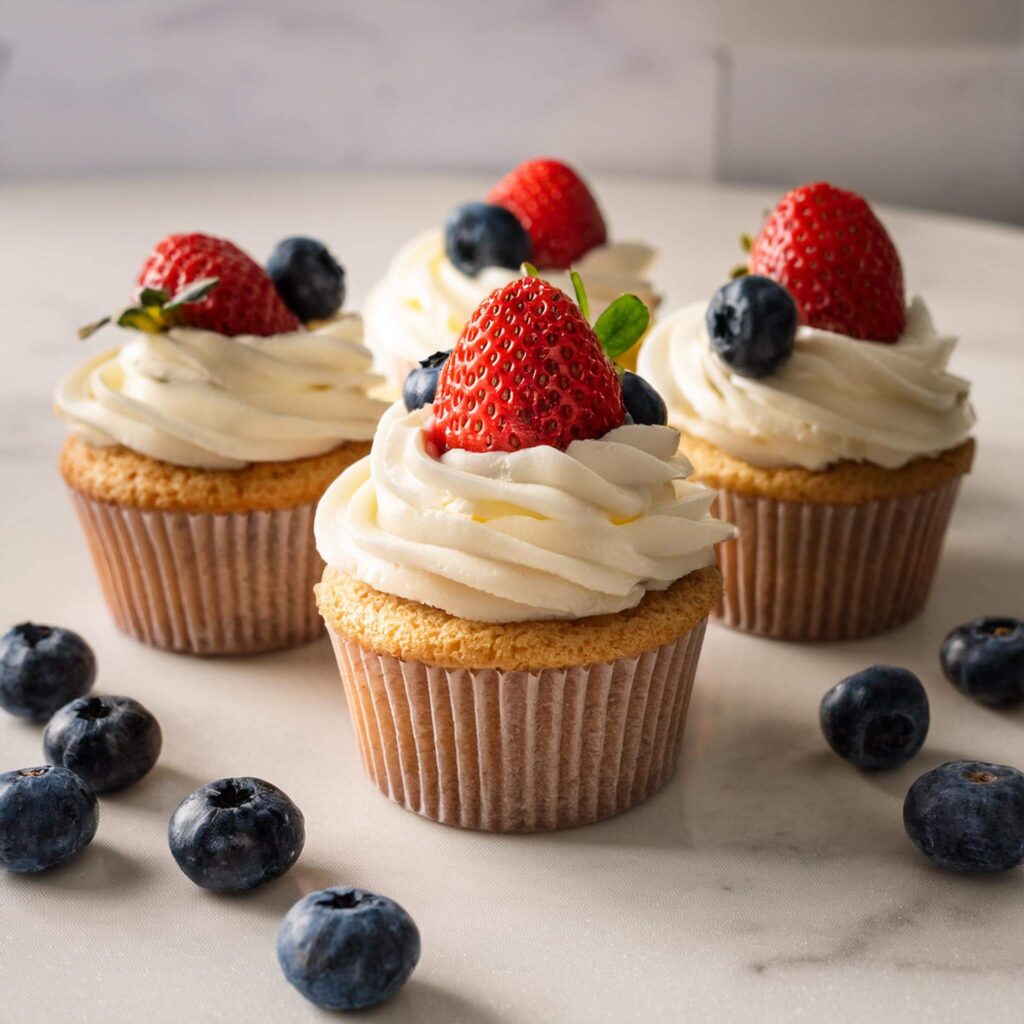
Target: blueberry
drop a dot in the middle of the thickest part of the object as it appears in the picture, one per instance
(643, 403)
(307, 277)
(110, 742)
(752, 322)
(42, 668)
(347, 949)
(877, 718)
(480, 235)
(968, 816)
(235, 834)
(47, 815)
(985, 660)
(421, 384)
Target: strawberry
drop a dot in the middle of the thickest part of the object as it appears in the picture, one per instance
(245, 300)
(527, 370)
(832, 254)
(560, 215)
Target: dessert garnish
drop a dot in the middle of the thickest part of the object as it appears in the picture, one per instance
(529, 369)
(752, 324)
(481, 235)
(197, 280)
(555, 207)
(828, 249)
(985, 660)
(877, 718)
(307, 277)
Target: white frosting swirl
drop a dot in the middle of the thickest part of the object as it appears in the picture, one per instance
(196, 398)
(508, 537)
(422, 303)
(834, 398)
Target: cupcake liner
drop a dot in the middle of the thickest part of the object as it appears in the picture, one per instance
(520, 751)
(802, 571)
(203, 583)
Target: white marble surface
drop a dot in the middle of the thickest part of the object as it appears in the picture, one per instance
(915, 101)
(768, 883)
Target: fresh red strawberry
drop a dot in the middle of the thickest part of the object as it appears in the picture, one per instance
(832, 254)
(245, 300)
(560, 215)
(527, 370)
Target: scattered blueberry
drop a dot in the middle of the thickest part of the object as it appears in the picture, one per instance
(752, 322)
(985, 660)
(968, 816)
(110, 742)
(42, 668)
(421, 384)
(347, 949)
(307, 277)
(877, 718)
(235, 834)
(47, 815)
(480, 235)
(643, 403)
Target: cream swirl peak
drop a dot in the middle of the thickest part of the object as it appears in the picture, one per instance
(422, 303)
(835, 398)
(516, 536)
(196, 398)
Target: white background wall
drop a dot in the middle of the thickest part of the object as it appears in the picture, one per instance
(912, 101)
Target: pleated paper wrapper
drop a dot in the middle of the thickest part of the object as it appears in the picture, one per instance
(802, 571)
(520, 751)
(203, 583)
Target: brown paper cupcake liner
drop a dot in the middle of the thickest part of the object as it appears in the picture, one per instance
(520, 751)
(802, 571)
(203, 583)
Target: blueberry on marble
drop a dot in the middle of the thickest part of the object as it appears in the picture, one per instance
(420, 384)
(968, 816)
(643, 403)
(110, 742)
(347, 949)
(47, 816)
(877, 718)
(480, 235)
(42, 668)
(235, 834)
(307, 277)
(985, 660)
(752, 323)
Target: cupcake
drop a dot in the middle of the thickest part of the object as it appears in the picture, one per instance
(819, 405)
(199, 447)
(541, 212)
(519, 576)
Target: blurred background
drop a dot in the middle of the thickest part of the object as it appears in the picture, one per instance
(919, 102)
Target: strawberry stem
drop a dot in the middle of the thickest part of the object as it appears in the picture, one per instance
(156, 311)
(581, 293)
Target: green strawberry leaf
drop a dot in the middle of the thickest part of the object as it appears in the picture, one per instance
(153, 297)
(193, 292)
(141, 320)
(740, 270)
(529, 270)
(581, 293)
(746, 242)
(90, 329)
(622, 325)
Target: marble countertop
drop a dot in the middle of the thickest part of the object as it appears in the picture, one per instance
(768, 882)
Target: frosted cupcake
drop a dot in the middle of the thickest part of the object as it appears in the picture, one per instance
(199, 447)
(540, 212)
(518, 578)
(820, 406)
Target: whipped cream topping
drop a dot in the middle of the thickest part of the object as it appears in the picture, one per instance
(196, 398)
(423, 301)
(834, 398)
(515, 536)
